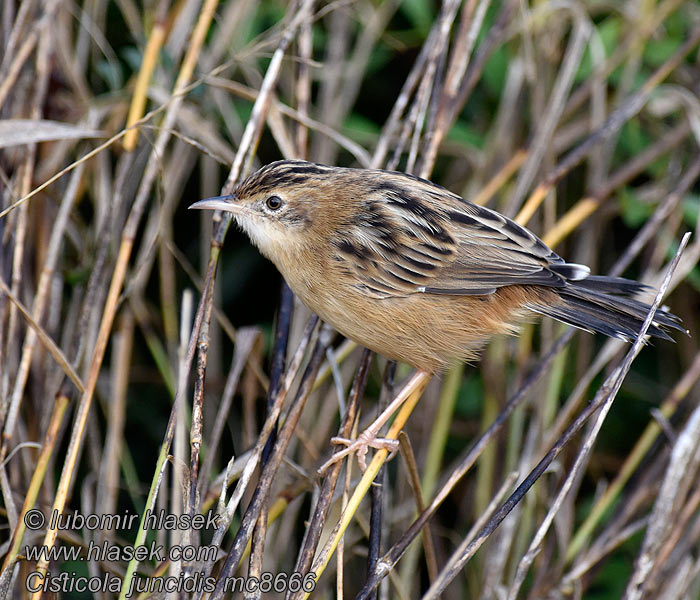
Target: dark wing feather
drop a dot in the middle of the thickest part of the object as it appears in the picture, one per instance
(415, 237)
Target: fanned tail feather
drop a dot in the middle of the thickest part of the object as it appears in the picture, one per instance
(601, 304)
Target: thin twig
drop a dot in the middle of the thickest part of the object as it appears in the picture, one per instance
(602, 401)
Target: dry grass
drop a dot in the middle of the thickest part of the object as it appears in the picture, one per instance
(125, 386)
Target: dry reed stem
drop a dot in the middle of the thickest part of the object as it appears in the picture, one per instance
(621, 53)
(204, 311)
(325, 496)
(500, 178)
(13, 292)
(245, 340)
(435, 455)
(631, 106)
(410, 395)
(414, 478)
(436, 587)
(40, 303)
(612, 346)
(251, 135)
(652, 431)
(685, 458)
(587, 206)
(49, 344)
(423, 113)
(37, 34)
(266, 430)
(465, 38)
(186, 352)
(279, 353)
(552, 112)
(148, 64)
(38, 475)
(108, 481)
(270, 468)
(601, 405)
(118, 279)
(391, 557)
(222, 320)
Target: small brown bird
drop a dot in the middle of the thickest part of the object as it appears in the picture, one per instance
(414, 272)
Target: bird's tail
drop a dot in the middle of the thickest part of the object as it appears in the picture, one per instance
(602, 304)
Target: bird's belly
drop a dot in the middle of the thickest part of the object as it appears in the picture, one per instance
(427, 331)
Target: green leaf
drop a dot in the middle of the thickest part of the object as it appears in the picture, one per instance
(381, 55)
(495, 71)
(111, 73)
(419, 14)
(691, 206)
(634, 212)
(359, 127)
(469, 400)
(609, 33)
(632, 139)
(464, 134)
(611, 579)
(677, 25)
(657, 52)
(693, 278)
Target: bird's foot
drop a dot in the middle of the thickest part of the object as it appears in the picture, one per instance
(369, 438)
(360, 446)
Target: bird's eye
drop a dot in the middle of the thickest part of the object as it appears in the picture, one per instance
(274, 203)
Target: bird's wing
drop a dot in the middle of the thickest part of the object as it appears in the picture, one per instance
(415, 237)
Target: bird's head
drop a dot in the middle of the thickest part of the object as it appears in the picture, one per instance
(279, 207)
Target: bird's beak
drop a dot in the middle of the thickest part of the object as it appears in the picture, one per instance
(227, 203)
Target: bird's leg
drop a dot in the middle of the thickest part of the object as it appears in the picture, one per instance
(368, 438)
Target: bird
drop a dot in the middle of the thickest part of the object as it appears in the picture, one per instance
(415, 272)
